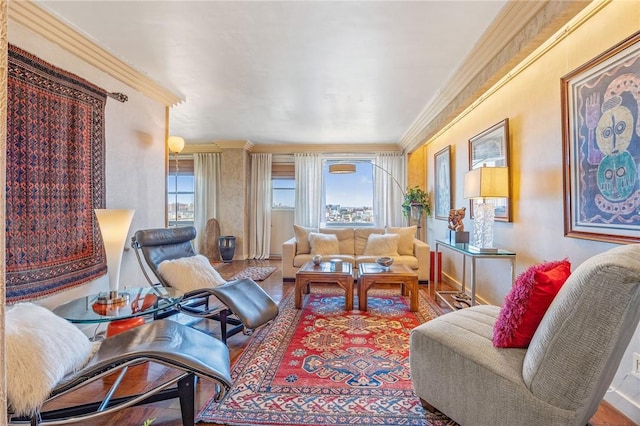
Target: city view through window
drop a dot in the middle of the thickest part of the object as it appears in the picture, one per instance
(349, 197)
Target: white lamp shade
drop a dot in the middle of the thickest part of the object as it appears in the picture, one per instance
(114, 227)
(175, 144)
(342, 168)
(487, 182)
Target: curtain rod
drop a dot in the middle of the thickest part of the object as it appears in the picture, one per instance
(120, 97)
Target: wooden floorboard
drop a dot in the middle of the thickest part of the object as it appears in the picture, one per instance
(167, 413)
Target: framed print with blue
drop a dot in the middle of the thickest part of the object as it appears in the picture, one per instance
(442, 193)
(601, 146)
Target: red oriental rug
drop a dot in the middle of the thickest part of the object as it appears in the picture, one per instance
(323, 366)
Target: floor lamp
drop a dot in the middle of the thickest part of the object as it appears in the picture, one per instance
(176, 145)
(481, 185)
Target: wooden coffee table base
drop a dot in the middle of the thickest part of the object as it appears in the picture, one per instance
(310, 273)
(371, 274)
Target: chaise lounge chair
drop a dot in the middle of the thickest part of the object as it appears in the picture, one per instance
(246, 305)
(48, 358)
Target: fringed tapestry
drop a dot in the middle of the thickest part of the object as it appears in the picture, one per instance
(55, 178)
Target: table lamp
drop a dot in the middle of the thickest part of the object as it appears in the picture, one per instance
(114, 227)
(482, 185)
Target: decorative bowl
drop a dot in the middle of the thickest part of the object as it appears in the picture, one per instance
(317, 259)
(385, 262)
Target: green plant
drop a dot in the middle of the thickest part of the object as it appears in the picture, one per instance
(148, 422)
(416, 197)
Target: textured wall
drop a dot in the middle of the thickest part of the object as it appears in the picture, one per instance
(233, 202)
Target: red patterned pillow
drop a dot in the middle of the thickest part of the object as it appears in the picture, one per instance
(527, 303)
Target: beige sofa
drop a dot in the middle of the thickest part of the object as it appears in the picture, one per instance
(352, 244)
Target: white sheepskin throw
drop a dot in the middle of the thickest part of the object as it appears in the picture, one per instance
(190, 273)
(41, 349)
(382, 245)
(324, 243)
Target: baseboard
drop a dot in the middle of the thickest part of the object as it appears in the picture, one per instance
(446, 278)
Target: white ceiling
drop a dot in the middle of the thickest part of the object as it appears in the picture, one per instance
(285, 72)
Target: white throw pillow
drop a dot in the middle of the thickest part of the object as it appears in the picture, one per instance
(324, 243)
(190, 273)
(302, 238)
(405, 244)
(382, 245)
(41, 349)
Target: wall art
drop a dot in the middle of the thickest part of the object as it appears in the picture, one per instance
(490, 148)
(601, 145)
(442, 171)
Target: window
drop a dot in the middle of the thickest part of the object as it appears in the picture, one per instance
(283, 195)
(348, 198)
(181, 197)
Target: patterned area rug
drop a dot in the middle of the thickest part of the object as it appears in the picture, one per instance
(256, 273)
(324, 366)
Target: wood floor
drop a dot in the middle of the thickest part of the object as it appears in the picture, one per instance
(167, 413)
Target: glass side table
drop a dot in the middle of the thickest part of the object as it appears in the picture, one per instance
(473, 255)
(138, 302)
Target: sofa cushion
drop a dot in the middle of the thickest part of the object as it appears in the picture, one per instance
(324, 244)
(362, 236)
(405, 244)
(527, 303)
(382, 245)
(302, 238)
(345, 239)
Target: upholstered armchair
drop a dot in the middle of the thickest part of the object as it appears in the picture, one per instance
(560, 378)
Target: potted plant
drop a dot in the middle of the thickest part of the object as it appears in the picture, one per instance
(417, 198)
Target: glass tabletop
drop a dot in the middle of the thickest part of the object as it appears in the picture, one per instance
(473, 251)
(137, 302)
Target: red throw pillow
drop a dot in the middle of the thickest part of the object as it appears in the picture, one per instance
(527, 303)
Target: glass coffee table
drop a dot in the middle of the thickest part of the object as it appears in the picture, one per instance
(137, 303)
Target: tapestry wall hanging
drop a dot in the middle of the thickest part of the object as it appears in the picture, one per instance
(601, 133)
(55, 178)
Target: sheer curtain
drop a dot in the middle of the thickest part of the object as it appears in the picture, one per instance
(389, 194)
(308, 189)
(260, 207)
(206, 171)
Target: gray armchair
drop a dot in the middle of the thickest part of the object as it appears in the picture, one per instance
(563, 375)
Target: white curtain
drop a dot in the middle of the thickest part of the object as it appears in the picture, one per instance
(389, 189)
(206, 171)
(308, 189)
(260, 207)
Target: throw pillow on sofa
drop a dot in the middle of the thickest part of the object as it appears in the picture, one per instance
(324, 244)
(302, 239)
(405, 243)
(382, 245)
(527, 302)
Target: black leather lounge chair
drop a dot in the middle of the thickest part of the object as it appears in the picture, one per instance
(191, 352)
(246, 305)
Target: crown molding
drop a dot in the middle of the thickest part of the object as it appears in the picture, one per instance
(519, 29)
(326, 148)
(36, 19)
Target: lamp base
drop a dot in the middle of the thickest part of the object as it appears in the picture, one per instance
(112, 297)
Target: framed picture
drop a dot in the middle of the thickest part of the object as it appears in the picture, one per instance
(491, 149)
(442, 193)
(601, 146)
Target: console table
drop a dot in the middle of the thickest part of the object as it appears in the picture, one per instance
(473, 255)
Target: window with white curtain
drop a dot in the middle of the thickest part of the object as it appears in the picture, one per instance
(348, 198)
(283, 193)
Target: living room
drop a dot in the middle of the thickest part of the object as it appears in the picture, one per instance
(529, 96)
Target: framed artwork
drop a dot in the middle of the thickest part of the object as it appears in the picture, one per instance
(491, 149)
(442, 193)
(601, 146)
